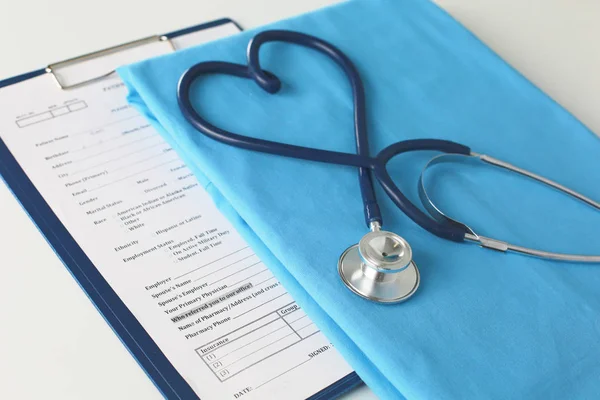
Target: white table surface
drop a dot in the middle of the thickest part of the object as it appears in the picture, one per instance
(53, 343)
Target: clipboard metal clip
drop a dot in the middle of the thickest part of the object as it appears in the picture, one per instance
(53, 68)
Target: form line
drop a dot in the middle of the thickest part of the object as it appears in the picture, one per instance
(132, 175)
(298, 319)
(105, 125)
(312, 334)
(105, 141)
(259, 361)
(227, 266)
(288, 324)
(212, 262)
(115, 159)
(236, 330)
(260, 305)
(237, 272)
(259, 349)
(113, 148)
(305, 326)
(283, 373)
(252, 276)
(249, 343)
(141, 161)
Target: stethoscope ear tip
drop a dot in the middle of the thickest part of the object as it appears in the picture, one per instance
(380, 268)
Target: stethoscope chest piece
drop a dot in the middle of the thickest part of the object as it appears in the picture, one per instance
(380, 268)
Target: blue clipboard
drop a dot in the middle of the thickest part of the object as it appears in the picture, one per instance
(135, 338)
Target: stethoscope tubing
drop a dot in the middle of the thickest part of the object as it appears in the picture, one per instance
(367, 165)
(272, 84)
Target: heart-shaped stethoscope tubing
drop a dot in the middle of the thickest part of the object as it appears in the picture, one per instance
(380, 266)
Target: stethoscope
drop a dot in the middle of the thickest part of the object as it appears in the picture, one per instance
(380, 267)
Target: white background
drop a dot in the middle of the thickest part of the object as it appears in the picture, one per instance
(53, 343)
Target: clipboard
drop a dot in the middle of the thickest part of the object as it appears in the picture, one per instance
(129, 330)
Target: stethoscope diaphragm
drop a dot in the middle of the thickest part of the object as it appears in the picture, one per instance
(380, 268)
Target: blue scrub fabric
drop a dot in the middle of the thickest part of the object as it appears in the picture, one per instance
(484, 324)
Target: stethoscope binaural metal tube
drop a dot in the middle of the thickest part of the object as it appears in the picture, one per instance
(495, 244)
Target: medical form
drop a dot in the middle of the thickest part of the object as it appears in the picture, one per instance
(217, 313)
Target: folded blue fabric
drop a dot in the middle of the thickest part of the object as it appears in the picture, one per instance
(483, 324)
